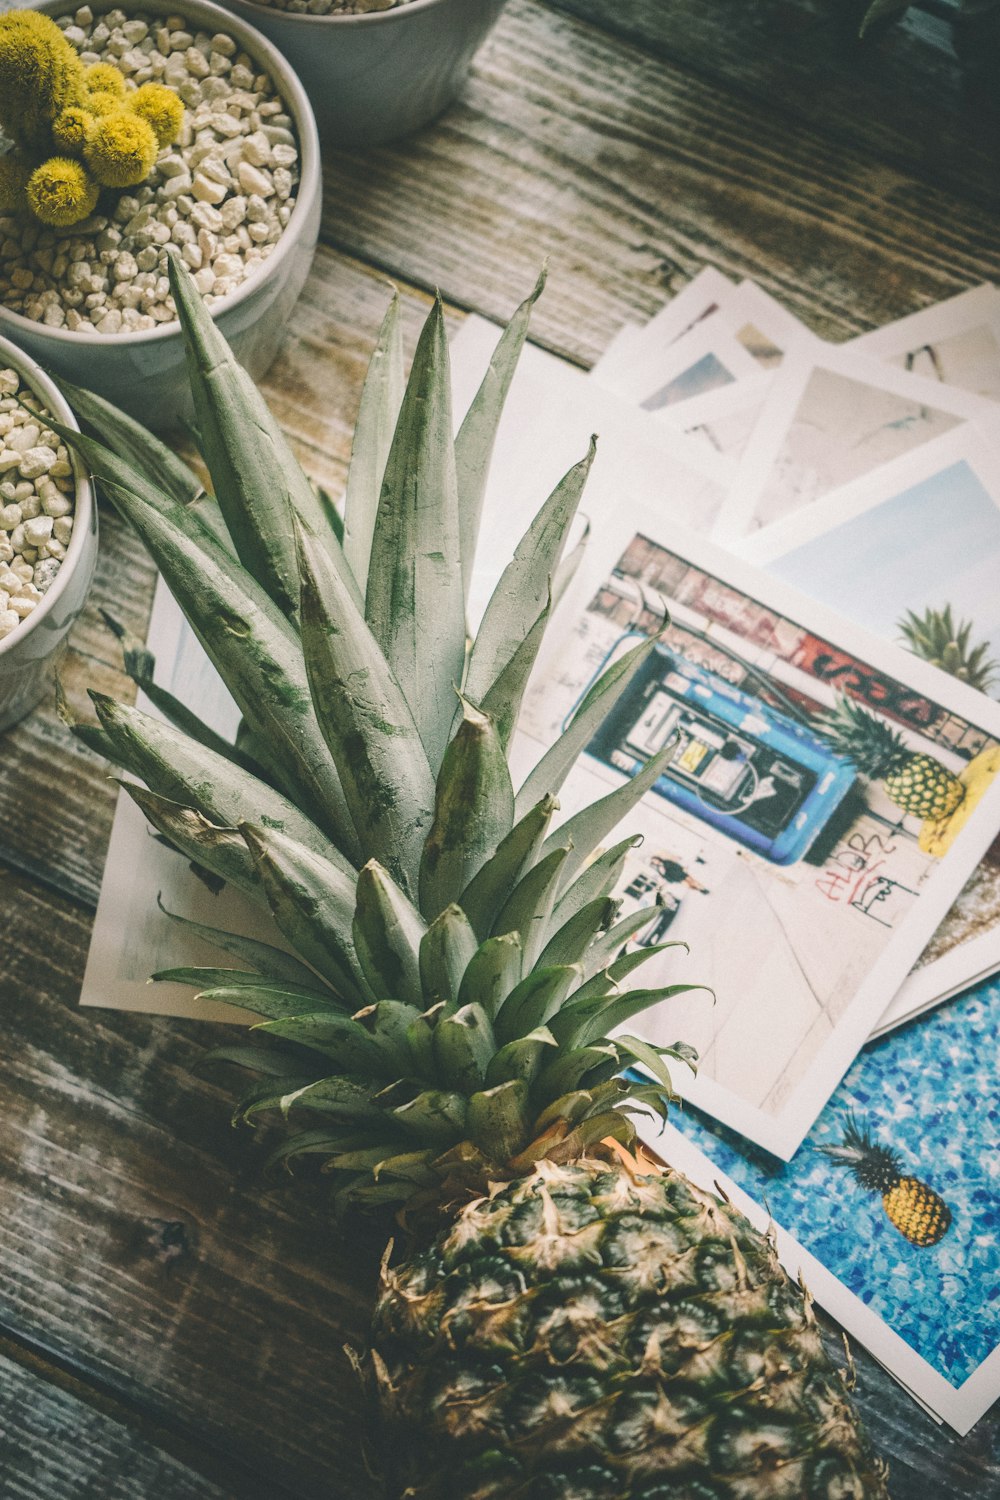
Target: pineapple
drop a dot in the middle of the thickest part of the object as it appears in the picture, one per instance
(918, 784)
(935, 637)
(917, 1211)
(560, 1320)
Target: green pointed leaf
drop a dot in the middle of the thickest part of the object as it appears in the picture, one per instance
(343, 1097)
(585, 1021)
(557, 762)
(521, 1058)
(388, 931)
(463, 1046)
(567, 569)
(499, 1119)
(506, 693)
(415, 600)
(136, 444)
(492, 973)
(605, 981)
(269, 962)
(336, 1036)
(389, 1023)
(591, 825)
(446, 950)
(567, 1110)
(486, 893)
(599, 878)
(477, 434)
(181, 769)
(524, 591)
(435, 1115)
(304, 1143)
(649, 1056)
(473, 811)
(534, 1001)
(268, 1000)
(258, 1100)
(607, 949)
(259, 1059)
(312, 902)
(257, 481)
(882, 11)
(377, 416)
(220, 850)
(256, 654)
(420, 1037)
(528, 909)
(365, 720)
(571, 1070)
(411, 1166)
(570, 943)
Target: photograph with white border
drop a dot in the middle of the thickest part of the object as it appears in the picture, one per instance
(957, 341)
(700, 298)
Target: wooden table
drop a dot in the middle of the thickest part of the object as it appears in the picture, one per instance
(171, 1325)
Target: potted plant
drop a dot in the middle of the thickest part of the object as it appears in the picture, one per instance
(236, 190)
(375, 69)
(48, 533)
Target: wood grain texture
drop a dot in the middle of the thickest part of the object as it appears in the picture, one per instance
(902, 95)
(629, 173)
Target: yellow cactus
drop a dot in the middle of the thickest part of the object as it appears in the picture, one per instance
(14, 174)
(121, 149)
(60, 192)
(104, 78)
(40, 76)
(103, 102)
(161, 107)
(71, 130)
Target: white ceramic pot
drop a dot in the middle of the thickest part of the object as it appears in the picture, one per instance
(143, 372)
(377, 76)
(28, 656)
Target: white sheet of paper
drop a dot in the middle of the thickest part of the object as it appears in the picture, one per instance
(832, 416)
(919, 533)
(658, 376)
(956, 342)
(700, 297)
(801, 956)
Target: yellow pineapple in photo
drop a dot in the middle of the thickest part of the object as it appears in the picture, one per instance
(917, 1211)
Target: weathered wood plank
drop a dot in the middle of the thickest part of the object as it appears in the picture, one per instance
(54, 1445)
(140, 1242)
(901, 95)
(630, 174)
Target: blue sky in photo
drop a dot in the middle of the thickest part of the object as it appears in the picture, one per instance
(706, 374)
(933, 544)
(931, 1091)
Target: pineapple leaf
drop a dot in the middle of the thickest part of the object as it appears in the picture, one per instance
(607, 980)
(593, 823)
(477, 434)
(389, 1023)
(489, 889)
(463, 1046)
(534, 1001)
(267, 999)
(557, 762)
(364, 718)
(473, 811)
(268, 1060)
(388, 931)
(180, 768)
(504, 697)
(650, 1057)
(435, 1115)
(411, 1166)
(312, 902)
(524, 591)
(493, 971)
(528, 909)
(303, 1143)
(220, 850)
(263, 959)
(570, 1070)
(345, 1098)
(337, 1036)
(257, 481)
(585, 1021)
(521, 1058)
(415, 600)
(608, 945)
(134, 443)
(254, 651)
(567, 569)
(446, 950)
(498, 1119)
(570, 942)
(599, 878)
(377, 415)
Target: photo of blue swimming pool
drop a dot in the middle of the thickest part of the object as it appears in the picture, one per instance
(930, 1092)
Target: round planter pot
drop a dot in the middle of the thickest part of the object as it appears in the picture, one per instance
(377, 76)
(143, 372)
(28, 655)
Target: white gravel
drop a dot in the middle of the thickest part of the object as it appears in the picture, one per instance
(222, 195)
(36, 503)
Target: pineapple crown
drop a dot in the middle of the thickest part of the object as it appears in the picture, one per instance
(876, 1168)
(868, 742)
(458, 966)
(936, 638)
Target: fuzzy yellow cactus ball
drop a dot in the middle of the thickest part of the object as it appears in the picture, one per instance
(40, 76)
(104, 78)
(60, 192)
(121, 149)
(161, 107)
(71, 129)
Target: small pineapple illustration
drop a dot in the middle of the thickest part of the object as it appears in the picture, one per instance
(918, 1212)
(936, 638)
(918, 784)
